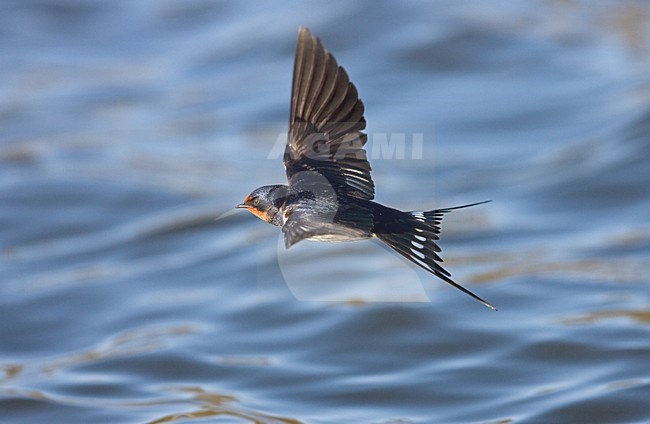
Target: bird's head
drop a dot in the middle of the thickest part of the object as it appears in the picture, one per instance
(265, 202)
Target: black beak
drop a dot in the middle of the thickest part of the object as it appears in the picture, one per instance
(241, 205)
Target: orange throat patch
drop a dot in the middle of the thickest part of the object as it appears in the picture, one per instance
(258, 213)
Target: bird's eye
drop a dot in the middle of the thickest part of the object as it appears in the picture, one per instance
(255, 201)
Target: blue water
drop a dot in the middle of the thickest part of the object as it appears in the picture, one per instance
(131, 292)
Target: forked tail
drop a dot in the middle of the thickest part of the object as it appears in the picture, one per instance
(414, 234)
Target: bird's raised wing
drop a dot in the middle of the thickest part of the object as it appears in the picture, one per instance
(325, 125)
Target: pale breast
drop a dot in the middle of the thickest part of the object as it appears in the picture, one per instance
(339, 237)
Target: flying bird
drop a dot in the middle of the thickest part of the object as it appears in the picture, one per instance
(329, 196)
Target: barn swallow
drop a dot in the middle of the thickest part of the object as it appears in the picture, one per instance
(329, 196)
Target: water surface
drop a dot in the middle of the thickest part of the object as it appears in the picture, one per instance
(126, 128)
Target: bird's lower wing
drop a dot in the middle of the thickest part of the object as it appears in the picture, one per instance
(324, 223)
